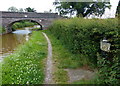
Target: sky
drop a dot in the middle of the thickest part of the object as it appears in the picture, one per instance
(39, 5)
(45, 5)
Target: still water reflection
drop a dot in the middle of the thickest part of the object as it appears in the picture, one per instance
(9, 42)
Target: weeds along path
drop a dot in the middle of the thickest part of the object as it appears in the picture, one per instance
(48, 74)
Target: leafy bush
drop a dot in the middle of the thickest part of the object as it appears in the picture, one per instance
(109, 73)
(26, 65)
(109, 67)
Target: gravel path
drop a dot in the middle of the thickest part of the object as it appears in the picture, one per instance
(79, 74)
(49, 65)
(73, 74)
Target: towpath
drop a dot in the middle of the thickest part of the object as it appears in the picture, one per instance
(49, 65)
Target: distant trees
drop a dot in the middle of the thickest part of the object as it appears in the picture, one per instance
(82, 8)
(118, 9)
(14, 9)
(29, 9)
(21, 10)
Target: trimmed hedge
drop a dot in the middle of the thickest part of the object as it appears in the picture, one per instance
(82, 36)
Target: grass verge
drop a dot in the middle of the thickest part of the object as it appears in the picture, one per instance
(2, 30)
(26, 65)
(63, 59)
(0, 74)
(85, 82)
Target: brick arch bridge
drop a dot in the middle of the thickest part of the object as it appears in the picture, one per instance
(43, 19)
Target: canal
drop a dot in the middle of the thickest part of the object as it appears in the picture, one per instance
(9, 42)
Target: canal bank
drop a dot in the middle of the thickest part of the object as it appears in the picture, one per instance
(9, 42)
(26, 65)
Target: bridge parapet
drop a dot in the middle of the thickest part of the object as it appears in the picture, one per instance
(6, 14)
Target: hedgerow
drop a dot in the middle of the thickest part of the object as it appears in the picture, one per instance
(82, 36)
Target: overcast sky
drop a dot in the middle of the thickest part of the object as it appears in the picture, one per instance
(42, 5)
(39, 5)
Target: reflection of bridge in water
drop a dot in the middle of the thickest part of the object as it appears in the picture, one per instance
(43, 19)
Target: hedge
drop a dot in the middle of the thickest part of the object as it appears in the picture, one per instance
(82, 36)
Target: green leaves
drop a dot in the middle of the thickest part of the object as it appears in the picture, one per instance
(2, 30)
(84, 8)
(29, 9)
(82, 36)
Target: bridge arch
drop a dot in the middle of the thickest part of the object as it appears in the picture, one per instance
(43, 19)
(9, 26)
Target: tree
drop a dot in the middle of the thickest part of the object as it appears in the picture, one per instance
(30, 9)
(118, 9)
(82, 8)
(50, 10)
(12, 9)
(21, 10)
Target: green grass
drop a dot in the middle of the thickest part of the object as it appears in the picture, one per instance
(84, 82)
(63, 59)
(0, 74)
(2, 30)
(26, 65)
(93, 81)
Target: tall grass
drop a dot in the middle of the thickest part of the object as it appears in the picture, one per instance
(26, 65)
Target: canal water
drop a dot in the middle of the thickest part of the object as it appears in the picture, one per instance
(9, 42)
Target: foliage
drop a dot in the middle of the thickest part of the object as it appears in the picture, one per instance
(26, 65)
(12, 9)
(109, 73)
(22, 24)
(118, 8)
(82, 36)
(109, 65)
(62, 55)
(21, 10)
(29, 9)
(2, 30)
(84, 8)
(68, 60)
